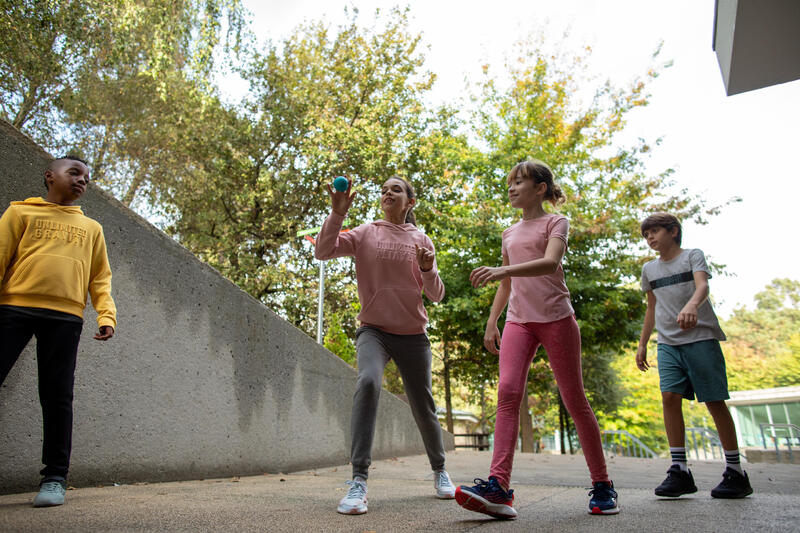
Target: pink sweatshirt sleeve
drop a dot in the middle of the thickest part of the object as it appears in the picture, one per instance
(431, 282)
(331, 242)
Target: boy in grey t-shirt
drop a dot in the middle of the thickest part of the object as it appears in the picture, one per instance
(690, 360)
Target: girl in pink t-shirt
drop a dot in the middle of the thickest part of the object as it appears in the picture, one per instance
(395, 265)
(539, 313)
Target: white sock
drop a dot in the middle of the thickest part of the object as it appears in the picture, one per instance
(360, 479)
(733, 460)
(679, 458)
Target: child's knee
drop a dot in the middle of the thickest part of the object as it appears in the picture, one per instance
(509, 396)
(671, 399)
(718, 406)
(368, 384)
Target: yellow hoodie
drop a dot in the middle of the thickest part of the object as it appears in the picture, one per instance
(50, 256)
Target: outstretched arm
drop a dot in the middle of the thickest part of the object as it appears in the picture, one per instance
(538, 267)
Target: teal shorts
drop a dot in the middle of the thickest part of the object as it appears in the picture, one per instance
(694, 368)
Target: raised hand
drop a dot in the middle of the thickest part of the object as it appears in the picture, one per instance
(341, 200)
(425, 258)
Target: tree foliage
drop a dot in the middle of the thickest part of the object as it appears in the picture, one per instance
(133, 87)
(535, 111)
(76, 72)
(763, 347)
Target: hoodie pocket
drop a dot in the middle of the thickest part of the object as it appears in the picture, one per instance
(54, 276)
(394, 307)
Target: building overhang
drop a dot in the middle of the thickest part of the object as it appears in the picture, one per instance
(757, 43)
(764, 396)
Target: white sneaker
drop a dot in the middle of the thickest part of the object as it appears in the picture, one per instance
(355, 502)
(445, 490)
(51, 493)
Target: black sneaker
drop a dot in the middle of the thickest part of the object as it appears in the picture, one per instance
(677, 483)
(734, 485)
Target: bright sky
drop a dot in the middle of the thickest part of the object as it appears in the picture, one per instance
(720, 146)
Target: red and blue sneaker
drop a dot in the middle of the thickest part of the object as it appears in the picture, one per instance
(603, 498)
(487, 497)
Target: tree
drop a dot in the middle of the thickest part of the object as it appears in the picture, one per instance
(321, 104)
(538, 114)
(96, 65)
(762, 347)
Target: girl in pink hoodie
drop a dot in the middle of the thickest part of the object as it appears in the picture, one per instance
(395, 265)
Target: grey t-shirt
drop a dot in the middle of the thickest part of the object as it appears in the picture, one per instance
(672, 283)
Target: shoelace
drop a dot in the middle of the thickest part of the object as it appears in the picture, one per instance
(482, 484)
(728, 479)
(603, 491)
(357, 490)
(50, 486)
(442, 479)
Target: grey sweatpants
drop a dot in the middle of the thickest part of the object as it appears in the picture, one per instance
(412, 355)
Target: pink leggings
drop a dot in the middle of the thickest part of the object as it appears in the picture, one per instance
(562, 340)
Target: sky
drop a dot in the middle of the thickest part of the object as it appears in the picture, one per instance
(720, 146)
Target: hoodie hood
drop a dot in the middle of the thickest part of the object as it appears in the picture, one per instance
(407, 226)
(41, 202)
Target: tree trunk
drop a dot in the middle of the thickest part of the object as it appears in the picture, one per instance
(568, 427)
(448, 400)
(526, 425)
(561, 425)
(137, 181)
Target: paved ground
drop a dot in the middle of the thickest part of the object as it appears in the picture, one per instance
(550, 496)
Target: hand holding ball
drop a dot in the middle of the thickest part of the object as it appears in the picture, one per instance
(340, 184)
(340, 203)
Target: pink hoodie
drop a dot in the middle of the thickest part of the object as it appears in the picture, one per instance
(390, 283)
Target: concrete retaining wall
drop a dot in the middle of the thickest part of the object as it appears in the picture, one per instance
(200, 380)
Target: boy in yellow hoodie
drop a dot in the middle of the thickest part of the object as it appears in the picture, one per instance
(51, 255)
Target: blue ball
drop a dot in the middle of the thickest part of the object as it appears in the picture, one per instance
(340, 184)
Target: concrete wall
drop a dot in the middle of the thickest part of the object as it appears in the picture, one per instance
(200, 380)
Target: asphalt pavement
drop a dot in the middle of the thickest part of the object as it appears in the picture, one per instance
(550, 495)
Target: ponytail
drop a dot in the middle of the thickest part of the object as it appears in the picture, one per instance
(410, 218)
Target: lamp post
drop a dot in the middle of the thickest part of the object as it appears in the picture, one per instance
(307, 233)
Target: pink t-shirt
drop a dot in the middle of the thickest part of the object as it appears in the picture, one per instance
(537, 298)
(390, 283)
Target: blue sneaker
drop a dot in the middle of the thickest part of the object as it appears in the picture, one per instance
(51, 493)
(487, 497)
(603, 498)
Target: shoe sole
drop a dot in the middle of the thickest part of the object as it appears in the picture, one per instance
(473, 502)
(597, 510)
(47, 504)
(665, 494)
(351, 511)
(732, 496)
(445, 496)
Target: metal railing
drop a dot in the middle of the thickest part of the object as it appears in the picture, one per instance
(791, 429)
(478, 441)
(620, 442)
(705, 440)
